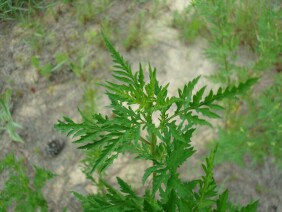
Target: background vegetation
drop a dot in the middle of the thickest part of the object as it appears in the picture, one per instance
(231, 26)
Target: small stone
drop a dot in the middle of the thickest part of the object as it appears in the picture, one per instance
(54, 147)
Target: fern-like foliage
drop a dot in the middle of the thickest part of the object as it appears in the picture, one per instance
(21, 192)
(167, 144)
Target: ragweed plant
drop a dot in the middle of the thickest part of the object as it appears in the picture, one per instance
(230, 25)
(22, 189)
(259, 131)
(256, 26)
(166, 143)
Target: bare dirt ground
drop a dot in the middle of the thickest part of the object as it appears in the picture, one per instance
(39, 102)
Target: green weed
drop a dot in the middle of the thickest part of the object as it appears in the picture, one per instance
(20, 191)
(6, 120)
(88, 10)
(18, 9)
(78, 63)
(189, 24)
(230, 26)
(155, 7)
(37, 36)
(166, 143)
(89, 99)
(256, 133)
(47, 69)
(136, 33)
(108, 26)
(252, 25)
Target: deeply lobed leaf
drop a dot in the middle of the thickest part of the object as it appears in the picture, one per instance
(167, 144)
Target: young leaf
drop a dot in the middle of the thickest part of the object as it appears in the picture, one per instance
(125, 188)
(149, 171)
(197, 97)
(207, 112)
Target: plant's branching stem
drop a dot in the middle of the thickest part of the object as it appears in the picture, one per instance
(187, 109)
(153, 151)
(153, 144)
(144, 140)
(142, 121)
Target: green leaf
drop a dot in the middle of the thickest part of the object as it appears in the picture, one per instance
(222, 203)
(195, 120)
(175, 133)
(150, 204)
(62, 58)
(160, 177)
(41, 176)
(125, 188)
(117, 58)
(11, 128)
(171, 204)
(207, 190)
(179, 156)
(207, 112)
(141, 76)
(186, 93)
(6, 120)
(197, 97)
(148, 172)
(86, 138)
(216, 107)
(231, 92)
(209, 96)
(106, 153)
(252, 207)
(35, 62)
(46, 69)
(123, 79)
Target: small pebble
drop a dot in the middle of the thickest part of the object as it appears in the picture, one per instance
(54, 147)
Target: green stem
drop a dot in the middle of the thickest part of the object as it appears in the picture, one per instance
(153, 142)
(153, 151)
(186, 110)
(144, 140)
